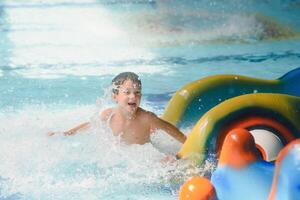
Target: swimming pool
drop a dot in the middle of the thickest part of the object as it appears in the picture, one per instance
(58, 58)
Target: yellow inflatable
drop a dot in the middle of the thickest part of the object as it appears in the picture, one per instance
(194, 99)
(282, 112)
(215, 105)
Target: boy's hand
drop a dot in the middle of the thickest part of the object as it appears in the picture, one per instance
(168, 159)
(66, 133)
(51, 133)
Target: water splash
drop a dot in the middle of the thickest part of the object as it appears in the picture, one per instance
(92, 163)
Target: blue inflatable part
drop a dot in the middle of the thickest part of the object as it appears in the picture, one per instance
(288, 179)
(250, 183)
(291, 82)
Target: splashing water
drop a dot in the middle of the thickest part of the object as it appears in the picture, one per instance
(57, 57)
(92, 164)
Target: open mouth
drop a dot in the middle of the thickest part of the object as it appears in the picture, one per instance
(132, 104)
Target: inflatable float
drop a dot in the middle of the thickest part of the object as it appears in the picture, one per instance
(246, 123)
(193, 100)
(272, 116)
(242, 174)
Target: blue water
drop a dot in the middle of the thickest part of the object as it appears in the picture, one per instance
(57, 59)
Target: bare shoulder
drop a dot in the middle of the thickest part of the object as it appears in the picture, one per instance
(148, 115)
(154, 121)
(105, 114)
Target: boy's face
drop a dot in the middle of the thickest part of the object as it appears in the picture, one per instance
(128, 96)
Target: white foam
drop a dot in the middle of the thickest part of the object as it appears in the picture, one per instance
(91, 163)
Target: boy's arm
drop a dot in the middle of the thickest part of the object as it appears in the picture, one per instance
(73, 130)
(77, 128)
(158, 123)
(103, 116)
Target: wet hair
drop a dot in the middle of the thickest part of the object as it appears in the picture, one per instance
(122, 77)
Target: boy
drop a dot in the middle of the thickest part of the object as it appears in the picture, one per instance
(133, 124)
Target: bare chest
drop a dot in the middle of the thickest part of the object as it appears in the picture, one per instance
(132, 132)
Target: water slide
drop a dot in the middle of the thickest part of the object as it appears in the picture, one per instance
(251, 125)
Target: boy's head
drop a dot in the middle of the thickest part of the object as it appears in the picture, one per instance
(127, 91)
(122, 77)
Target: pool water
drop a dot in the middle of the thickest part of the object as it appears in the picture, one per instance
(57, 59)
